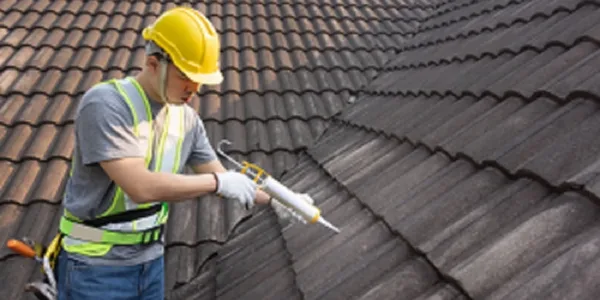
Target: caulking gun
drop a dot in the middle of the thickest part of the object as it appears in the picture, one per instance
(299, 208)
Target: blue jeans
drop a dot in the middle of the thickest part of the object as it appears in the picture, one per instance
(76, 280)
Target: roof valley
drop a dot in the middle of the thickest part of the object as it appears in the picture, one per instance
(383, 258)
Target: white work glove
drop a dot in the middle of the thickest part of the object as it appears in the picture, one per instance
(235, 185)
(283, 212)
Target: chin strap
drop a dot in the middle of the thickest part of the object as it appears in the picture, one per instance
(163, 80)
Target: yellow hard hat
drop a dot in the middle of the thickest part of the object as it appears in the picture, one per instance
(191, 42)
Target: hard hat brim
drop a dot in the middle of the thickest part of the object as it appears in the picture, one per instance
(206, 79)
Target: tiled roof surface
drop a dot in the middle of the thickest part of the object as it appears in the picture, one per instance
(289, 67)
(367, 259)
(468, 169)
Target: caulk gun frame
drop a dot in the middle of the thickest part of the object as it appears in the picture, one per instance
(222, 153)
(229, 158)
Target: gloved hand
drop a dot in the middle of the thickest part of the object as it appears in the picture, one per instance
(283, 212)
(235, 185)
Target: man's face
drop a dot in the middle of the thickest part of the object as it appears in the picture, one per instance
(180, 89)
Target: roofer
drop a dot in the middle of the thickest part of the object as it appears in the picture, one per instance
(133, 138)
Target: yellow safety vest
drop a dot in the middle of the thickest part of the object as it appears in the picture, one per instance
(126, 222)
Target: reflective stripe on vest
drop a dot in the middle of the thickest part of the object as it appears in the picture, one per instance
(92, 241)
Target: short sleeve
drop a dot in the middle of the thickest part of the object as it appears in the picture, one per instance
(202, 151)
(104, 128)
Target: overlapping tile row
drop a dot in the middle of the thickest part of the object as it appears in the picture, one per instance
(270, 106)
(516, 15)
(537, 138)
(366, 260)
(551, 55)
(531, 25)
(499, 238)
(463, 10)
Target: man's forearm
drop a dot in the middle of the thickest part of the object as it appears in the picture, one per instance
(176, 187)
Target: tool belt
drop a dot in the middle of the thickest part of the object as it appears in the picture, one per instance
(90, 230)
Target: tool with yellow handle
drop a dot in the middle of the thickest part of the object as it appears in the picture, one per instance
(298, 207)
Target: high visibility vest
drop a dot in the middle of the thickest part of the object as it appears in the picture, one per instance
(126, 222)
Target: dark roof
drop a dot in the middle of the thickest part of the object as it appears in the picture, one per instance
(468, 169)
(289, 67)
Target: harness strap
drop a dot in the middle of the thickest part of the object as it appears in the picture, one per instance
(126, 216)
(93, 234)
(89, 231)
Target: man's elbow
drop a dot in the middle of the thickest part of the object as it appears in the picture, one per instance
(133, 177)
(142, 194)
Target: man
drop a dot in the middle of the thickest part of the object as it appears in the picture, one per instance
(133, 138)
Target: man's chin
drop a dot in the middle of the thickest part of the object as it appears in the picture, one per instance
(180, 101)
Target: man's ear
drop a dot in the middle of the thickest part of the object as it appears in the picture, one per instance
(152, 63)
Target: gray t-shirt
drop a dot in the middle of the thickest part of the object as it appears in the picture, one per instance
(104, 131)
